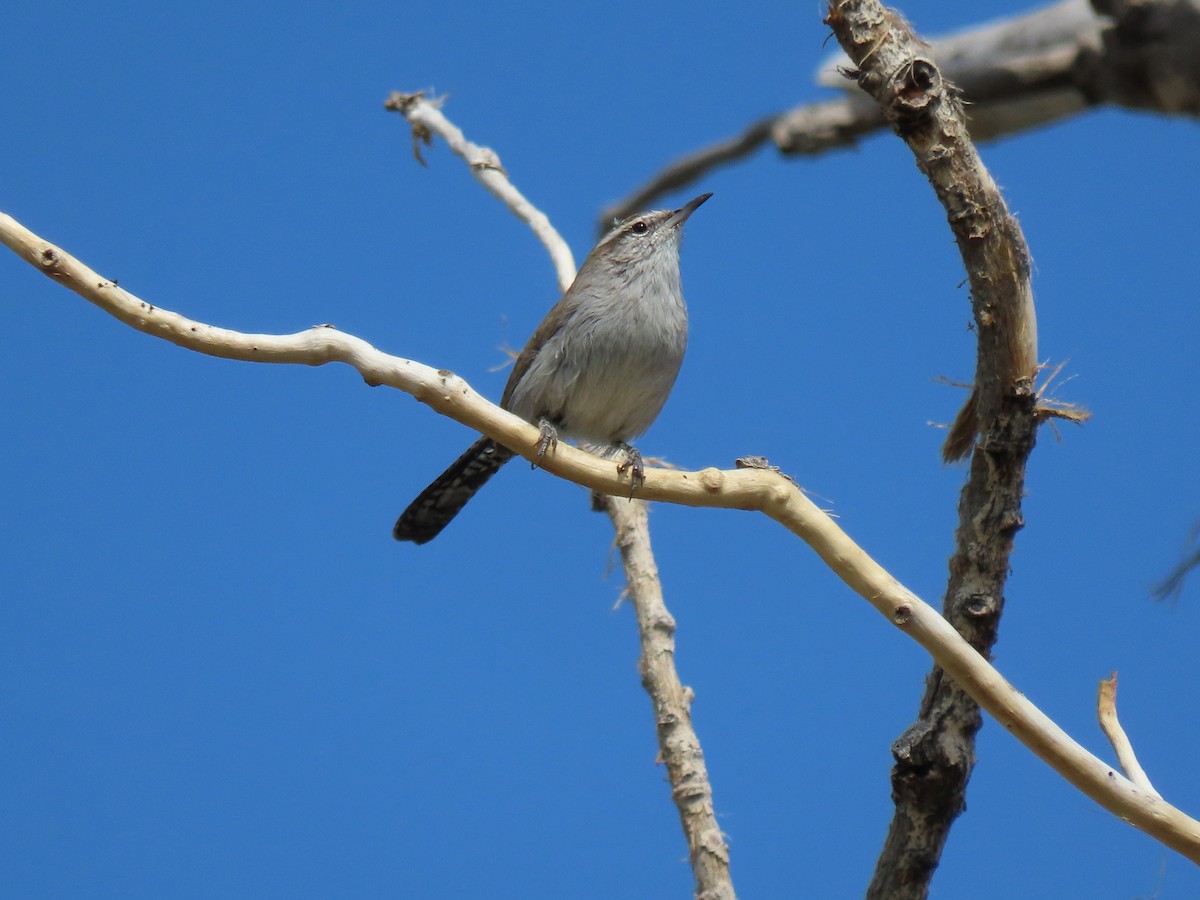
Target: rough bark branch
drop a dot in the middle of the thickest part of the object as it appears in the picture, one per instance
(935, 755)
(756, 488)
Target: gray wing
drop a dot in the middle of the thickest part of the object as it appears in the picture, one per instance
(560, 314)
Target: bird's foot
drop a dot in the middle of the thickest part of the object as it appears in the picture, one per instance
(547, 441)
(633, 464)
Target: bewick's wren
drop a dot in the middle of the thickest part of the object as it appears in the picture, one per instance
(599, 367)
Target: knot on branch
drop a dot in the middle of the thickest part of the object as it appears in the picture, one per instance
(916, 93)
(917, 84)
(979, 606)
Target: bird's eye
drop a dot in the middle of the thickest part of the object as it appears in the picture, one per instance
(639, 227)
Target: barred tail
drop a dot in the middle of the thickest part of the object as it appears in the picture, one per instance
(444, 499)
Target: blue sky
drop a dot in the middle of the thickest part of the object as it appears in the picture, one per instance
(221, 677)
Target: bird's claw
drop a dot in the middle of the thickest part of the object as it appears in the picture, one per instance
(633, 464)
(548, 440)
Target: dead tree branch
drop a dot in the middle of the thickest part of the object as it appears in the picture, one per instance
(935, 756)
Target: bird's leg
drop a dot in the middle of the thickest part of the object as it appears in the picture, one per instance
(547, 441)
(633, 463)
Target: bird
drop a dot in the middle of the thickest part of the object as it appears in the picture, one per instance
(598, 369)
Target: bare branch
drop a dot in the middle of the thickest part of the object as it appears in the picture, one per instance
(426, 118)
(809, 130)
(679, 746)
(689, 169)
(1106, 708)
(752, 488)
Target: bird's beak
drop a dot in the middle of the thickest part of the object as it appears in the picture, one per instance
(681, 215)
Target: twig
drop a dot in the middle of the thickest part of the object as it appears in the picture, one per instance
(426, 118)
(1050, 408)
(688, 169)
(1106, 708)
(1172, 586)
(747, 489)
